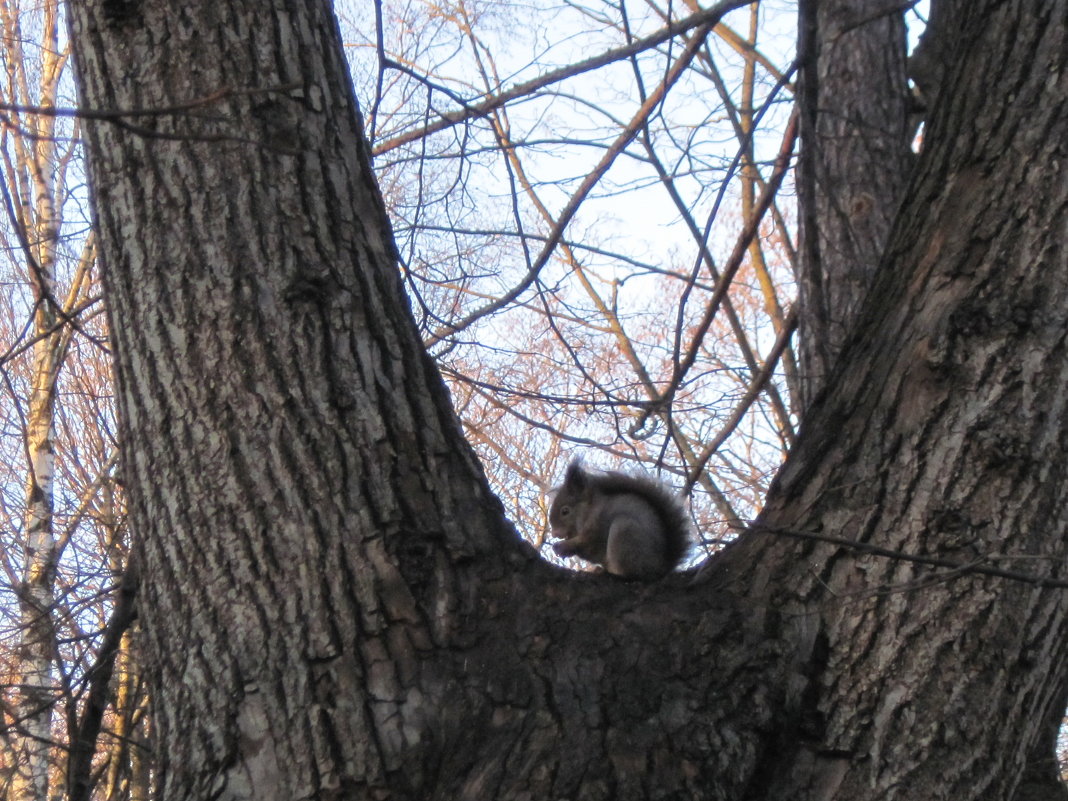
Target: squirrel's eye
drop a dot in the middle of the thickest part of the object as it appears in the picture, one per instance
(565, 511)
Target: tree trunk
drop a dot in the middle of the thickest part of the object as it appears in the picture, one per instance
(853, 166)
(32, 182)
(37, 638)
(299, 488)
(333, 604)
(942, 433)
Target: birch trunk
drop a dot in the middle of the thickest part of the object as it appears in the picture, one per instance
(38, 221)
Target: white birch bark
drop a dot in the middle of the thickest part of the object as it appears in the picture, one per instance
(36, 214)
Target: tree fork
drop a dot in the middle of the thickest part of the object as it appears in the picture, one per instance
(333, 603)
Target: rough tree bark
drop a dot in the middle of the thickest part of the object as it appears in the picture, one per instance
(853, 166)
(334, 606)
(943, 433)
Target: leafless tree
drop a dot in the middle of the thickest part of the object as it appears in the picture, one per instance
(334, 603)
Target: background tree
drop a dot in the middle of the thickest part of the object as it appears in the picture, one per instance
(61, 510)
(853, 168)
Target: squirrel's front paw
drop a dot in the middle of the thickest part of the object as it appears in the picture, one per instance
(564, 548)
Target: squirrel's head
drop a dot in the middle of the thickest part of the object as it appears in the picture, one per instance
(569, 497)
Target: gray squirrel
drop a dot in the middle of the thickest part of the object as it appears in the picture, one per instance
(632, 525)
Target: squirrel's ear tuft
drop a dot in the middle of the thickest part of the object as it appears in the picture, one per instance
(575, 477)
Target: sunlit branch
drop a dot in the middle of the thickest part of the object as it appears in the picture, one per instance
(702, 19)
(591, 180)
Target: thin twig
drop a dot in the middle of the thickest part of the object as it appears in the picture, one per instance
(889, 553)
(707, 17)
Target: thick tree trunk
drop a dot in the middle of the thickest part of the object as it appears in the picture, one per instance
(943, 433)
(296, 472)
(333, 604)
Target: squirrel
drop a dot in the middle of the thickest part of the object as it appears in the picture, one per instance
(634, 526)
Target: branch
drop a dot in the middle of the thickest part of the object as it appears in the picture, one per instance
(557, 233)
(120, 117)
(756, 386)
(707, 17)
(889, 553)
(84, 739)
(117, 114)
(737, 258)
